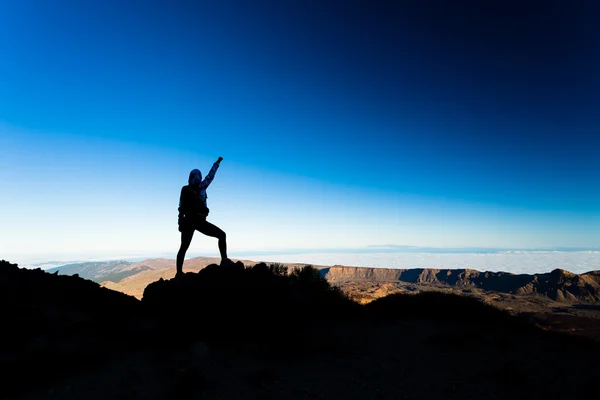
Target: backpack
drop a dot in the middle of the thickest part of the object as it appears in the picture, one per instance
(199, 209)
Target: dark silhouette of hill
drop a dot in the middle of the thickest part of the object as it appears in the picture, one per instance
(558, 285)
(236, 332)
(227, 298)
(439, 306)
(51, 317)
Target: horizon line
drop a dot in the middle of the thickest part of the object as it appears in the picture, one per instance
(370, 249)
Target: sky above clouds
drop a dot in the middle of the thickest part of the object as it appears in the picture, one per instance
(341, 124)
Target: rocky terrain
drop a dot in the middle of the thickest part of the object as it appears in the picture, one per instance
(558, 285)
(263, 332)
(559, 300)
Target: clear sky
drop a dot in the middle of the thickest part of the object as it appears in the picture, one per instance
(342, 124)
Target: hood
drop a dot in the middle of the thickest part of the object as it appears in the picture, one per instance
(195, 177)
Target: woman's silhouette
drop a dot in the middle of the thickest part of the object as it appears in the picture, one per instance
(193, 212)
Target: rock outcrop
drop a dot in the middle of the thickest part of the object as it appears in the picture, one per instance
(228, 297)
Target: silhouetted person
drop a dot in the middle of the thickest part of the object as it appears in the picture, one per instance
(193, 212)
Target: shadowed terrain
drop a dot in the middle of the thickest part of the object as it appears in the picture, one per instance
(560, 300)
(238, 332)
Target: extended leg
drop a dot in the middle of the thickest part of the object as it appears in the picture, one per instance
(214, 231)
(186, 239)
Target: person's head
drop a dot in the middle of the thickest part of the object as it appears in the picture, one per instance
(195, 177)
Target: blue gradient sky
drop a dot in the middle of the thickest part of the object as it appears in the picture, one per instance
(342, 124)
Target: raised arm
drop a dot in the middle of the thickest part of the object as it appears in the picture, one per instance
(211, 174)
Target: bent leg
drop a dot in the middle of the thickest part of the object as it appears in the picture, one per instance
(186, 239)
(211, 230)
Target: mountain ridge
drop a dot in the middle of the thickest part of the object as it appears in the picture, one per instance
(558, 285)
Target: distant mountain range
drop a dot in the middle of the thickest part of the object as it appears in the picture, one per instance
(559, 285)
(108, 271)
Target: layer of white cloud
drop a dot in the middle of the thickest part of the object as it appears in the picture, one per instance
(522, 262)
(515, 261)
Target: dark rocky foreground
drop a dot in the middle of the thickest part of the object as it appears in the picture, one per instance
(232, 332)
